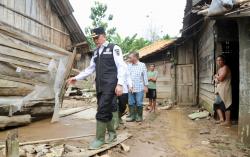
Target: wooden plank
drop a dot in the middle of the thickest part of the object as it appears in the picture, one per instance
(6, 41)
(23, 55)
(51, 140)
(23, 63)
(32, 40)
(17, 79)
(207, 93)
(9, 70)
(207, 87)
(120, 138)
(11, 88)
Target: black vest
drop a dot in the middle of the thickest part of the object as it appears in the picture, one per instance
(106, 70)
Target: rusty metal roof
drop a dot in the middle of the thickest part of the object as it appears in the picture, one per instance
(155, 47)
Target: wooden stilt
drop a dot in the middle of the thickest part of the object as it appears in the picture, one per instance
(12, 144)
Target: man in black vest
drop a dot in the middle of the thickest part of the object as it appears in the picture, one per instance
(109, 66)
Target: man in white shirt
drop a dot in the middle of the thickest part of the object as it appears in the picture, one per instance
(109, 66)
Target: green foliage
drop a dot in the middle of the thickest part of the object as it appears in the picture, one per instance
(129, 44)
(166, 37)
(100, 18)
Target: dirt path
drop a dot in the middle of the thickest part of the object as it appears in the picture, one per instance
(167, 133)
(172, 134)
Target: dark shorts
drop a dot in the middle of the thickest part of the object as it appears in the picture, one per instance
(151, 94)
(219, 104)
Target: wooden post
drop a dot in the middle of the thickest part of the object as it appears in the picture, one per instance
(12, 144)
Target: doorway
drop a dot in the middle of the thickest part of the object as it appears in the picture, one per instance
(227, 43)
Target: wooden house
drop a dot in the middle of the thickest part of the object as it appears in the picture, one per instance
(160, 54)
(39, 40)
(192, 60)
(205, 37)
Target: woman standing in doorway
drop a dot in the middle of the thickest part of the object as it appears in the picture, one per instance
(223, 92)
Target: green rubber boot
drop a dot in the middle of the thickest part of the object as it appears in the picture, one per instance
(115, 120)
(100, 136)
(120, 118)
(132, 112)
(111, 132)
(139, 115)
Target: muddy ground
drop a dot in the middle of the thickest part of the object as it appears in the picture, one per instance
(166, 133)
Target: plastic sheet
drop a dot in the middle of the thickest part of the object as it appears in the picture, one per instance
(41, 93)
(219, 7)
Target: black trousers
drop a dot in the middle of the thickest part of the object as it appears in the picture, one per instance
(105, 106)
(120, 102)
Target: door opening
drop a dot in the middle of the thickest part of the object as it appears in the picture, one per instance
(227, 43)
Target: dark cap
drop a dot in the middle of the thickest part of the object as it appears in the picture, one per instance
(97, 31)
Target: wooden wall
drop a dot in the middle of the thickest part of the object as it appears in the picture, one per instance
(36, 18)
(164, 81)
(165, 73)
(185, 85)
(244, 106)
(206, 65)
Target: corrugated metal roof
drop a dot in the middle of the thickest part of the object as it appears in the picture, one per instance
(155, 47)
(65, 12)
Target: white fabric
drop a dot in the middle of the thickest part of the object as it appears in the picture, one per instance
(127, 82)
(119, 62)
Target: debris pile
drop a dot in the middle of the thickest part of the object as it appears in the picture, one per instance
(166, 104)
(82, 90)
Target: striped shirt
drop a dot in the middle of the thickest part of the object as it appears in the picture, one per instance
(139, 77)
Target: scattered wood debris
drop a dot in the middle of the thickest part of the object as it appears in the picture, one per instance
(121, 138)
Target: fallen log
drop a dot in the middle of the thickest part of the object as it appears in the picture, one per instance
(18, 120)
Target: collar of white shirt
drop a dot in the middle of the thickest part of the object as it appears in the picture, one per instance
(105, 44)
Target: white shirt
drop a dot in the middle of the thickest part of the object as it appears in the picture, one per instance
(119, 62)
(127, 82)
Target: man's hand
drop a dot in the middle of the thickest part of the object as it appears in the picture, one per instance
(131, 89)
(71, 80)
(118, 90)
(145, 89)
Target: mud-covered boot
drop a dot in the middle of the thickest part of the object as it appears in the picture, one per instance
(115, 120)
(111, 132)
(120, 118)
(132, 114)
(100, 136)
(139, 115)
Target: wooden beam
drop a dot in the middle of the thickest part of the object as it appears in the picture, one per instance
(12, 144)
(23, 55)
(19, 120)
(23, 63)
(17, 79)
(35, 20)
(27, 38)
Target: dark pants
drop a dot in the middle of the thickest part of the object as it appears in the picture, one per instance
(105, 106)
(120, 102)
